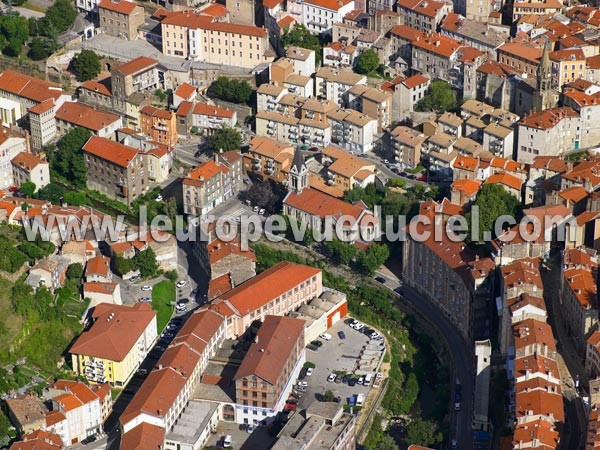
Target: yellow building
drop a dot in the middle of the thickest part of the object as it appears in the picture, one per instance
(567, 65)
(116, 343)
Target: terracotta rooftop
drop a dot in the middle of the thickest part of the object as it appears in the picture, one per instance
(137, 65)
(468, 187)
(115, 331)
(39, 440)
(100, 288)
(121, 7)
(505, 179)
(143, 437)
(111, 151)
(185, 91)
(428, 8)
(333, 5)
(548, 118)
(85, 116)
(97, 87)
(152, 111)
(27, 161)
(322, 205)
(267, 357)
(533, 332)
(204, 172)
(213, 111)
(28, 87)
(438, 44)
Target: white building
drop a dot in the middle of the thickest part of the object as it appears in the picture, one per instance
(11, 144)
(213, 117)
(352, 130)
(332, 83)
(319, 15)
(27, 167)
(302, 59)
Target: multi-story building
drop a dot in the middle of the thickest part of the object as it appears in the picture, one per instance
(406, 93)
(266, 375)
(498, 140)
(559, 126)
(42, 124)
(141, 74)
(346, 171)
(436, 55)
(99, 123)
(49, 272)
(319, 15)
(424, 15)
(333, 84)
(530, 8)
(115, 169)
(352, 130)
(27, 167)
(588, 107)
(407, 144)
(116, 342)
(120, 18)
(524, 57)
(202, 37)
(211, 183)
(579, 295)
(373, 102)
(29, 91)
(278, 290)
(476, 34)
(78, 410)
(160, 125)
(303, 59)
(270, 158)
(592, 355)
(97, 94)
(568, 65)
(208, 117)
(11, 144)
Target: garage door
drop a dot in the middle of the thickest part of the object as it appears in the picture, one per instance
(335, 318)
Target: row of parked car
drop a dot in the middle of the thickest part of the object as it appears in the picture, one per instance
(358, 326)
(353, 381)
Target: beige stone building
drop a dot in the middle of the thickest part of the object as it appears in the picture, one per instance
(120, 18)
(27, 167)
(407, 144)
(115, 169)
(138, 75)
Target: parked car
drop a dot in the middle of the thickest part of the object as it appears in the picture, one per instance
(317, 343)
(325, 336)
(312, 347)
(309, 372)
(146, 288)
(361, 381)
(352, 400)
(331, 377)
(378, 376)
(380, 280)
(303, 383)
(342, 335)
(181, 283)
(250, 429)
(159, 198)
(345, 379)
(338, 379)
(145, 300)
(352, 382)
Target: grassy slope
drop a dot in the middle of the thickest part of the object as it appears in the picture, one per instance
(163, 294)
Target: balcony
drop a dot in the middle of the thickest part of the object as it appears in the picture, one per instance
(271, 125)
(329, 175)
(269, 171)
(270, 132)
(256, 160)
(270, 163)
(319, 133)
(271, 100)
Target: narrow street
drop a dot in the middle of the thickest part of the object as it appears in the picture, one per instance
(570, 364)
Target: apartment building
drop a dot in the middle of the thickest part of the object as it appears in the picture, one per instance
(530, 8)
(268, 95)
(476, 34)
(272, 159)
(568, 65)
(120, 18)
(42, 124)
(115, 169)
(435, 55)
(315, 128)
(588, 107)
(351, 130)
(408, 145)
(524, 57)
(96, 94)
(424, 15)
(78, 410)
(558, 125)
(373, 102)
(115, 343)
(141, 74)
(579, 295)
(319, 15)
(303, 60)
(49, 272)
(212, 183)
(12, 143)
(498, 140)
(339, 54)
(346, 171)
(202, 37)
(406, 93)
(158, 124)
(27, 167)
(333, 84)
(208, 117)
(29, 91)
(99, 123)
(276, 291)
(266, 375)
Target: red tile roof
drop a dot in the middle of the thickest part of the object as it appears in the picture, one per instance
(468, 187)
(85, 116)
(319, 204)
(217, 250)
(204, 172)
(428, 8)
(548, 118)
(121, 7)
(530, 332)
(573, 194)
(184, 109)
(143, 437)
(112, 338)
(408, 33)
(27, 161)
(506, 179)
(137, 65)
(540, 402)
(43, 107)
(152, 111)
(275, 342)
(39, 440)
(111, 151)
(185, 91)
(215, 10)
(438, 44)
(100, 288)
(95, 86)
(213, 111)
(220, 285)
(415, 80)
(496, 68)
(333, 5)
(526, 51)
(28, 87)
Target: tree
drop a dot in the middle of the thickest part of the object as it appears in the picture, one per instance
(59, 18)
(225, 139)
(341, 252)
(410, 392)
(37, 49)
(14, 47)
(67, 160)
(52, 192)
(145, 261)
(493, 201)
(328, 396)
(15, 33)
(373, 258)
(28, 188)
(387, 442)
(232, 90)
(75, 272)
(439, 98)
(161, 95)
(123, 266)
(422, 432)
(368, 61)
(299, 36)
(86, 65)
(261, 194)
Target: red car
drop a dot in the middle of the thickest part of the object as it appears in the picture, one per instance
(422, 178)
(289, 407)
(13, 189)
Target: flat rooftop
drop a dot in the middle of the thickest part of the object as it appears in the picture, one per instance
(192, 422)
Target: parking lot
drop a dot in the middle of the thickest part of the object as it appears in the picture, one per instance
(240, 439)
(338, 356)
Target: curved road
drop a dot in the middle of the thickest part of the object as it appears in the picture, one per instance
(460, 353)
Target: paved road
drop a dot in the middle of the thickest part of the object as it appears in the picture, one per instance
(460, 353)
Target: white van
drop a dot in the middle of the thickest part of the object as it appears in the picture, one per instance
(227, 441)
(325, 336)
(368, 378)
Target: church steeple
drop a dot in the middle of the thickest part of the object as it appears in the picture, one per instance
(298, 175)
(544, 71)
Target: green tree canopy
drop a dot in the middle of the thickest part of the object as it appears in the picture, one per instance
(373, 258)
(299, 36)
(15, 33)
(493, 201)
(75, 271)
(67, 160)
(368, 61)
(145, 261)
(439, 98)
(59, 18)
(232, 90)
(28, 188)
(225, 139)
(369, 195)
(86, 65)
(422, 432)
